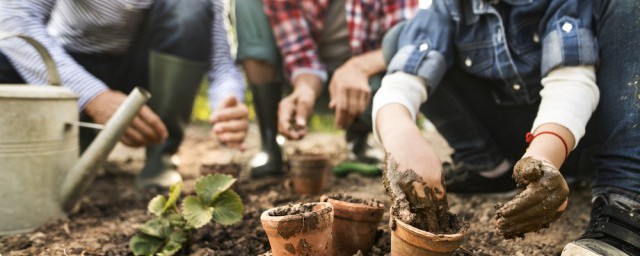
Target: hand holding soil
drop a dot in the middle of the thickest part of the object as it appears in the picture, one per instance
(415, 202)
(542, 201)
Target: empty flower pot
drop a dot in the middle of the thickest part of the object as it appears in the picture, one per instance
(355, 224)
(299, 230)
(407, 240)
(309, 172)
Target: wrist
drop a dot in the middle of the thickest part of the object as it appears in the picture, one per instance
(369, 63)
(308, 84)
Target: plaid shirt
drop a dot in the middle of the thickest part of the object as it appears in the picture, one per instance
(297, 23)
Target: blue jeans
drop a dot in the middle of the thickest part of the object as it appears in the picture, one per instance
(483, 132)
(174, 27)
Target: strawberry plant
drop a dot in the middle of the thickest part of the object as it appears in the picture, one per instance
(171, 227)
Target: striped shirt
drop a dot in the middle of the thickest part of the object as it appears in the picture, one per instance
(97, 26)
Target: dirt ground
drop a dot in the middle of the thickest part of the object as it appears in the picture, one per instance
(112, 209)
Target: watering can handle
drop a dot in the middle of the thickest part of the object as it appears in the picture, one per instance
(52, 70)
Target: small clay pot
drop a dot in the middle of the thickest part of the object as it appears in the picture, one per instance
(355, 226)
(309, 172)
(407, 240)
(302, 233)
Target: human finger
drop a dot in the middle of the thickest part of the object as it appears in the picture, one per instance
(232, 137)
(527, 170)
(231, 126)
(154, 121)
(342, 106)
(285, 114)
(133, 138)
(521, 202)
(143, 128)
(229, 101)
(230, 113)
(546, 207)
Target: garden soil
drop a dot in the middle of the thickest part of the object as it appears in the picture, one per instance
(111, 210)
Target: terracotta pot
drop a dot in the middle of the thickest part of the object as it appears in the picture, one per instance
(354, 226)
(300, 234)
(309, 173)
(407, 240)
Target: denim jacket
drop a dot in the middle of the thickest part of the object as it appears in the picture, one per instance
(513, 42)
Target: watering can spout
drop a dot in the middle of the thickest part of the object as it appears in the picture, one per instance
(83, 172)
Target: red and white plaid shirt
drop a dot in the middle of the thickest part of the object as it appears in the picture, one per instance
(297, 23)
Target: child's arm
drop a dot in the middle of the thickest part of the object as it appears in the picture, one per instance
(569, 97)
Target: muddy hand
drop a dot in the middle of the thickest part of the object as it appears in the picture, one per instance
(542, 202)
(414, 201)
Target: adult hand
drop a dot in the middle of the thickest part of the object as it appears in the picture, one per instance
(230, 122)
(350, 93)
(413, 172)
(542, 201)
(146, 128)
(295, 109)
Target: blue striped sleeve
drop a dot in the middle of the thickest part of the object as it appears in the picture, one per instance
(225, 77)
(29, 17)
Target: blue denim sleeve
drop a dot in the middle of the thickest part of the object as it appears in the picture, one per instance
(425, 45)
(568, 35)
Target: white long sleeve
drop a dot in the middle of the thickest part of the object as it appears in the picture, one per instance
(569, 97)
(407, 90)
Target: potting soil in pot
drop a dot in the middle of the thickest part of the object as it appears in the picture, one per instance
(427, 214)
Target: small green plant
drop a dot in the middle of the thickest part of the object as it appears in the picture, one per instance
(171, 227)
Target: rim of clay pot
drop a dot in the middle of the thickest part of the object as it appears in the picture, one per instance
(355, 211)
(308, 158)
(318, 208)
(425, 239)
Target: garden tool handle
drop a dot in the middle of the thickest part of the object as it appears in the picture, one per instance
(52, 70)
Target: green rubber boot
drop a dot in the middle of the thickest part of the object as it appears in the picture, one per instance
(174, 83)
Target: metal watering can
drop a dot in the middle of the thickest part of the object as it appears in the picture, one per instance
(41, 175)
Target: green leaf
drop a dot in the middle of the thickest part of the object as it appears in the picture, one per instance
(174, 194)
(228, 208)
(175, 219)
(195, 212)
(170, 249)
(145, 245)
(156, 205)
(178, 236)
(211, 186)
(155, 227)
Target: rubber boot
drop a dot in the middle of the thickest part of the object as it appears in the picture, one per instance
(174, 83)
(268, 162)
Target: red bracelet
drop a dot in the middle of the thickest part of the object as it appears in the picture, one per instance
(529, 138)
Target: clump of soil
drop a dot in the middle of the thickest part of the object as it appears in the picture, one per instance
(291, 209)
(424, 212)
(350, 199)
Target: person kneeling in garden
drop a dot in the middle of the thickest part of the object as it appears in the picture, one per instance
(104, 49)
(320, 44)
(488, 72)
